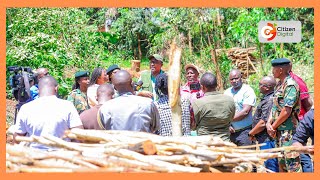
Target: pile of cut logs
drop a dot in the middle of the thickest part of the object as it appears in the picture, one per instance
(243, 59)
(127, 151)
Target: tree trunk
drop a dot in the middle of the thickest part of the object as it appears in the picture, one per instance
(215, 24)
(261, 61)
(247, 66)
(174, 88)
(216, 64)
(219, 24)
(139, 46)
(201, 42)
(281, 49)
(190, 42)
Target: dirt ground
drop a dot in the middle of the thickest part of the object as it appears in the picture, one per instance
(10, 107)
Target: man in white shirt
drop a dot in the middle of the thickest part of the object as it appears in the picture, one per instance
(47, 115)
(244, 99)
(128, 111)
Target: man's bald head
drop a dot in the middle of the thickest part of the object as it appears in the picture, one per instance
(270, 81)
(267, 84)
(122, 81)
(48, 86)
(105, 92)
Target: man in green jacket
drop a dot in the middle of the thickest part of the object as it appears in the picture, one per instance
(148, 77)
(213, 112)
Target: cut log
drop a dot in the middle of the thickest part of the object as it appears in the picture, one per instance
(145, 147)
(135, 65)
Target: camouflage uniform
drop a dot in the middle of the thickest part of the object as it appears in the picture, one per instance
(79, 100)
(287, 94)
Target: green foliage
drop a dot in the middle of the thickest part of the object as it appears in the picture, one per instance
(59, 39)
(134, 26)
(65, 40)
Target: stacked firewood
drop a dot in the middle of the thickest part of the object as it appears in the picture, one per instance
(242, 58)
(126, 151)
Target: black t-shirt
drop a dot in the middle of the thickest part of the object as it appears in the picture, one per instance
(262, 113)
(305, 128)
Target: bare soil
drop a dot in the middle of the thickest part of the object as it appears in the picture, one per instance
(10, 108)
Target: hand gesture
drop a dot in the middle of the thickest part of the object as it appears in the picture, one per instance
(145, 94)
(270, 130)
(231, 129)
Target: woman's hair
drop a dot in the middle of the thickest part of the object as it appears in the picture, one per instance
(95, 75)
(161, 85)
(76, 85)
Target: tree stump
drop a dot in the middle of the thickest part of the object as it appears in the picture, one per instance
(135, 65)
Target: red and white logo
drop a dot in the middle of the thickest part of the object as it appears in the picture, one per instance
(269, 31)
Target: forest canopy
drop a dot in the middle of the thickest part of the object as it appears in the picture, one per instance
(66, 40)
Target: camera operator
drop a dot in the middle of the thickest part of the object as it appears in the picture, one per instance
(191, 90)
(34, 90)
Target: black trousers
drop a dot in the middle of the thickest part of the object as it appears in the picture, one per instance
(241, 138)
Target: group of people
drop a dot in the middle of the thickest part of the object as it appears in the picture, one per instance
(108, 101)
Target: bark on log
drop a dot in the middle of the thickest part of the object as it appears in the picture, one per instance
(174, 88)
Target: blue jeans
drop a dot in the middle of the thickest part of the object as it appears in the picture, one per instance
(271, 164)
(306, 163)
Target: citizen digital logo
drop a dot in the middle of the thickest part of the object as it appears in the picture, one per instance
(279, 31)
(285, 31)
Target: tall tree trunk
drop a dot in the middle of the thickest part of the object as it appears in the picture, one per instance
(201, 41)
(216, 64)
(219, 24)
(247, 66)
(281, 49)
(261, 60)
(134, 50)
(190, 42)
(139, 46)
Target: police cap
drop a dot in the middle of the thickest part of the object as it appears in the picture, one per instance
(111, 68)
(81, 74)
(280, 61)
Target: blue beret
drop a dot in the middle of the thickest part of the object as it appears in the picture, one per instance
(280, 61)
(81, 74)
(111, 68)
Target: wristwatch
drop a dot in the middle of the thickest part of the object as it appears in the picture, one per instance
(250, 135)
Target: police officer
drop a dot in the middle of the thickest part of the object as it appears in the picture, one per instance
(283, 118)
(78, 95)
(112, 70)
